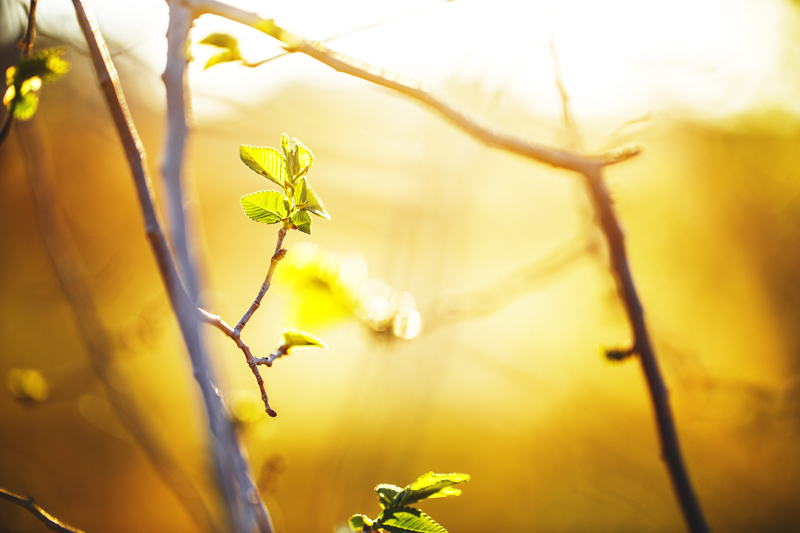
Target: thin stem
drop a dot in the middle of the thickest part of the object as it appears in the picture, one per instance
(52, 523)
(75, 280)
(246, 511)
(671, 453)
(279, 254)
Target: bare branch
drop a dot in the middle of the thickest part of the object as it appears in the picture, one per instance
(74, 279)
(52, 523)
(671, 453)
(247, 512)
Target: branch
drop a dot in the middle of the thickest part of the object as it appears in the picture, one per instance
(252, 362)
(419, 90)
(246, 511)
(52, 523)
(279, 254)
(74, 279)
(670, 448)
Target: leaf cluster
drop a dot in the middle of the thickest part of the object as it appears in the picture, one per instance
(287, 168)
(397, 516)
(25, 79)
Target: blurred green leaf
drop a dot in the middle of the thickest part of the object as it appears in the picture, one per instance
(358, 521)
(302, 220)
(25, 106)
(293, 338)
(46, 64)
(405, 519)
(230, 49)
(430, 485)
(265, 161)
(267, 207)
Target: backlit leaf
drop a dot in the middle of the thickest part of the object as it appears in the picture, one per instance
(387, 493)
(302, 220)
(408, 519)
(24, 106)
(358, 521)
(304, 156)
(265, 161)
(267, 207)
(314, 203)
(430, 485)
(223, 57)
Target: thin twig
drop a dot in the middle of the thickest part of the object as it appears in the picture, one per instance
(671, 453)
(279, 254)
(74, 278)
(244, 505)
(252, 362)
(52, 523)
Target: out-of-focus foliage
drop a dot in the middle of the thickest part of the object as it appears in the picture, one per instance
(25, 79)
(228, 49)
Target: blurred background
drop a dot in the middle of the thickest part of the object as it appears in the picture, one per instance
(464, 292)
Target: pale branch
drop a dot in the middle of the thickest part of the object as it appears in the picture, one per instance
(279, 254)
(51, 522)
(244, 506)
(671, 453)
(75, 281)
(419, 90)
(174, 78)
(252, 362)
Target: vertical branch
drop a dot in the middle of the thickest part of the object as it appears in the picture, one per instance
(74, 279)
(246, 511)
(671, 453)
(174, 77)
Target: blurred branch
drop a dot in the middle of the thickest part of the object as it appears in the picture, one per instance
(74, 279)
(246, 511)
(52, 523)
(25, 46)
(507, 288)
(421, 91)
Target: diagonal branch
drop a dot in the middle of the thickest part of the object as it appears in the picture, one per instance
(279, 254)
(246, 511)
(74, 279)
(52, 523)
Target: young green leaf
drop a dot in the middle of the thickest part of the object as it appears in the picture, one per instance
(304, 194)
(302, 220)
(304, 156)
(293, 339)
(430, 485)
(387, 493)
(408, 519)
(267, 207)
(358, 521)
(265, 161)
